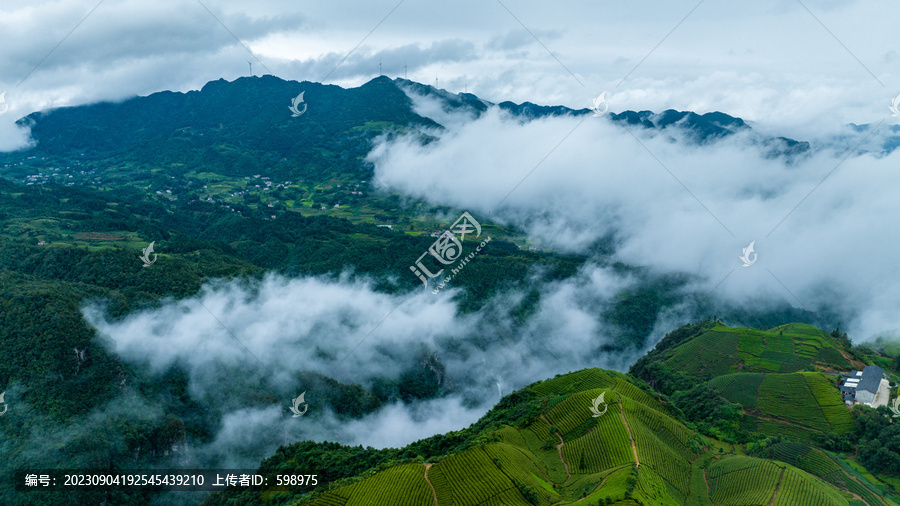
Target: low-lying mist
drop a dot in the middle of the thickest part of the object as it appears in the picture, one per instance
(823, 224)
(250, 347)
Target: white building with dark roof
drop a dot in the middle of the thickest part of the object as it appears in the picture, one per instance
(868, 384)
(861, 387)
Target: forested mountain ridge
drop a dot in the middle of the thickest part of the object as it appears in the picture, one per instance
(251, 114)
(250, 110)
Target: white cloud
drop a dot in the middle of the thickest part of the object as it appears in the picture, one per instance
(675, 206)
(311, 324)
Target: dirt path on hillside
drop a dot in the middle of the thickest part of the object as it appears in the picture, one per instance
(637, 462)
(707, 486)
(777, 486)
(559, 448)
(880, 501)
(433, 491)
(612, 472)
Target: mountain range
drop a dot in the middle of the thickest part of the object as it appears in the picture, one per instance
(229, 186)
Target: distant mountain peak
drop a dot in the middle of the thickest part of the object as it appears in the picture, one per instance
(250, 107)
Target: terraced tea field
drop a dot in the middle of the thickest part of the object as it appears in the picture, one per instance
(802, 402)
(595, 463)
(785, 349)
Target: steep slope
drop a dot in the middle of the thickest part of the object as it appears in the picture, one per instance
(828, 467)
(758, 372)
(705, 351)
(545, 445)
(795, 404)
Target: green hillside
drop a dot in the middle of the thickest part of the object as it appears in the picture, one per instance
(792, 404)
(829, 468)
(542, 446)
(775, 393)
(737, 382)
(740, 481)
(718, 350)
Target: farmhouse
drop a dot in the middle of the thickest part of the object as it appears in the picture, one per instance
(862, 387)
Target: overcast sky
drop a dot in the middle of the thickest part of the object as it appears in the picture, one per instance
(785, 64)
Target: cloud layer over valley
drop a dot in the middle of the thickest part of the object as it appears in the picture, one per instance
(823, 223)
(239, 339)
